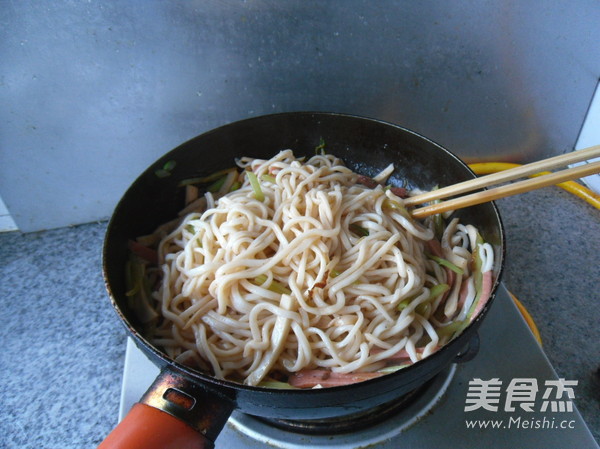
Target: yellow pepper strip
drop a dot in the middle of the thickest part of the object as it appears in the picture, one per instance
(528, 319)
(486, 168)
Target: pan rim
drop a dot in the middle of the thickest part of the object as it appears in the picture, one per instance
(196, 375)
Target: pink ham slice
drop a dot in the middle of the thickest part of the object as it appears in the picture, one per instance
(400, 192)
(486, 291)
(143, 251)
(312, 378)
(366, 181)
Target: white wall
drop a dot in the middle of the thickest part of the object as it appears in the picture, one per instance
(92, 92)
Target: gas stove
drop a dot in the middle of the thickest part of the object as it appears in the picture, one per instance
(507, 396)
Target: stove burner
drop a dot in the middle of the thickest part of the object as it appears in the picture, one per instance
(355, 430)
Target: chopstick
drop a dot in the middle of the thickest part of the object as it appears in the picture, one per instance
(507, 175)
(504, 176)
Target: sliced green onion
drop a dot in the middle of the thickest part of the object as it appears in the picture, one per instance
(268, 178)
(206, 179)
(260, 279)
(392, 204)
(275, 286)
(479, 240)
(162, 173)
(358, 230)
(405, 303)
(452, 328)
(446, 263)
(133, 286)
(258, 193)
(138, 294)
(395, 205)
(423, 309)
(216, 186)
(166, 169)
(478, 278)
(393, 369)
(438, 220)
(276, 384)
(235, 186)
(169, 165)
(320, 149)
(437, 290)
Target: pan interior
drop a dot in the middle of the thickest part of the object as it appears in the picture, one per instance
(366, 146)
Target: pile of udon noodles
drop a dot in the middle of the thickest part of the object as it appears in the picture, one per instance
(302, 272)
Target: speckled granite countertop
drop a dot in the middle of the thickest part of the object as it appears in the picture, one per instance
(63, 346)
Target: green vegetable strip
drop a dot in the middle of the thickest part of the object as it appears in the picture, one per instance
(396, 206)
(162, 173)
(170, 165)
(479, 240)
(403, 304)
(452, 328)
(206, 179)
(446, 263)
(437, 290)
(320, 149)
(138, 294)
(216, 186)
(258, 193)
(268, 178)
(132, 285)
(423, 309)
(166, 169)
(406, 302)
(478, 278)
(438, 220)
(275, 384)
(275, 286)
(261, 279)
(392, 369)
(434, 292)
(358, 230)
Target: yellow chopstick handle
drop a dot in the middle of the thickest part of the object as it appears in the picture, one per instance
(486, 168)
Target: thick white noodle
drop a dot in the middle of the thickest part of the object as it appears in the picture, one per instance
(288, 283)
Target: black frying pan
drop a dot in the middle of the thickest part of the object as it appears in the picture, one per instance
(197, 404)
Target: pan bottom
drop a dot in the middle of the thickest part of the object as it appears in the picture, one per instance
(375, 423)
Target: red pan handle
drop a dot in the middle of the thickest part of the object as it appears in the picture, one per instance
(177, 412)
(149, 428)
